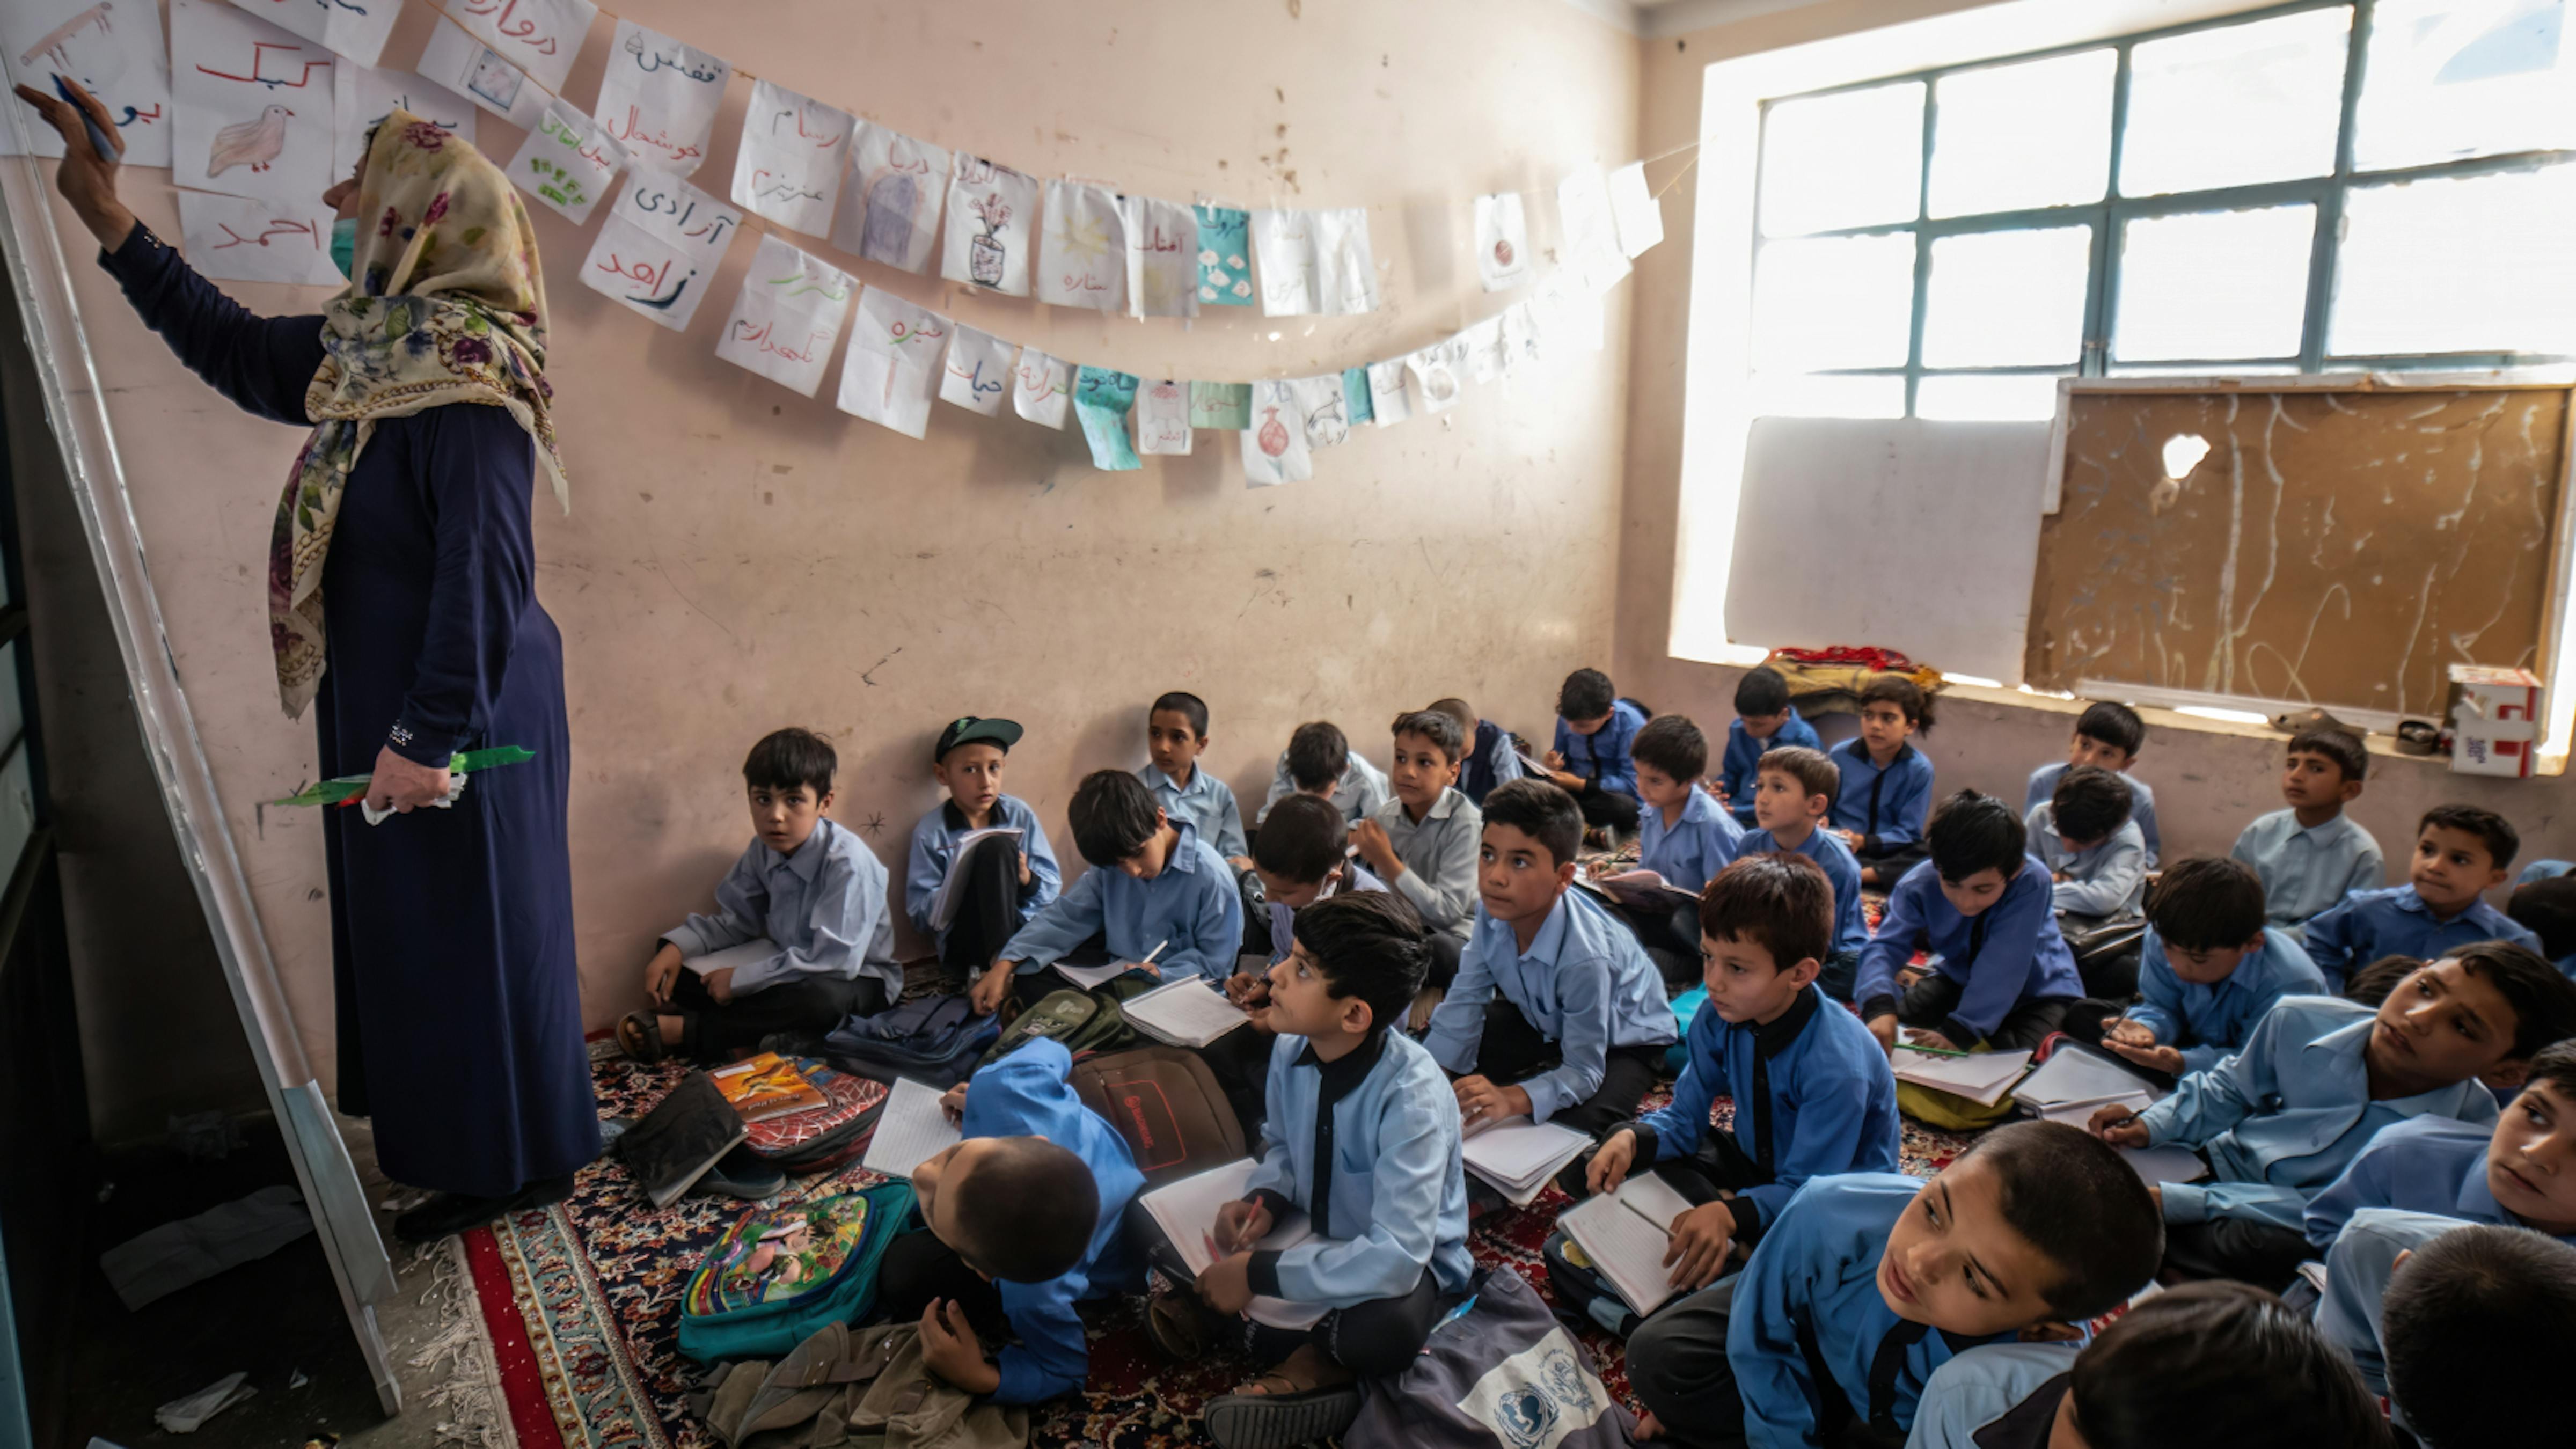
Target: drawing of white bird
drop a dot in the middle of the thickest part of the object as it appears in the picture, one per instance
(253, 143)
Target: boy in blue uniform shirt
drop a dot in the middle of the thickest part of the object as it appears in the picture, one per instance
(1024, 1218)
(1492, 758)
(1683, 837)
(1319, 760)
(1818, 1097)
(1008, 881)
(1556, 1014)
(2109, 736)
(1793, 790)
(2093, 850)
(2211, 970)
(2316, 1081)
(1870, 1281)
(1886, 792)
(2004, 975)
(2521, 1174)
(1764, 720)
(1152, 881)
(2546, 907)
(1362, 1139)
(2312, 853)
(2478, 1323)
(1594, 730)
(1176, 735)
(2461, 852)
(809, 886)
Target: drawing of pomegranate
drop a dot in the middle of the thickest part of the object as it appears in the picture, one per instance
(1274, 433)
(1502, 251)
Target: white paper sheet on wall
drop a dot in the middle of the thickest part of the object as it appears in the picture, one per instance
(658, 250)
(244, 239)
(1634, 213)
(1274, 447)
(567, 162)
(1524, 340)
(991, 210)
(541, 37)
(1162, 258)
(1502, 241)
(1315, 262)
(1323, 408)
(789, 165)
(889, 206)
(1345, 263)
(112, 50)
(788, 316)
(1487, 358)
(1432, 383)
(250, 106)
(363, 95)
(1163, 417)
(897, 352)
(1387, 396)
(354, 30)
(1042, 388)
(978, 370)
(1592, 254)
(658, 99)
(482, 75)
(1082, 248)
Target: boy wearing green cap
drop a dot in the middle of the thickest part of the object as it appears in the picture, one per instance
(1006, 878)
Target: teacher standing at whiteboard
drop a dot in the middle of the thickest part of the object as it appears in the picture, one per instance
(408, 512)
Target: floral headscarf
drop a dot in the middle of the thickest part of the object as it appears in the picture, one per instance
(447, 306)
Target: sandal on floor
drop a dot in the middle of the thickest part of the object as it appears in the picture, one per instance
(1282, 1421)
(1178, 1326)
(639, 1035)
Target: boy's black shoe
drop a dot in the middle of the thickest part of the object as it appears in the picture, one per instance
(447, 1213)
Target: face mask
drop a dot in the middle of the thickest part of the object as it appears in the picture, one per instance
(344, 246)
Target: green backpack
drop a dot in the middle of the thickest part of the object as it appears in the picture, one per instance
(783, 1271)
(1085, 1021)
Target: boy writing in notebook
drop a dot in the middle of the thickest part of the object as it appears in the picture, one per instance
(2521, 1173)
(1793, 789)
(1594, 728)
(1764, 720)
(2311, 853)
(2210, 970)
(809, 886)
(1176, 735)
(1319, 760)
(1423, 841)
(2319, 1078)
(2093, 850)
(2461, 852)
(1816, 1094)
(1008, 880)
(1870, 1281)
(2109, 736)
(1152, 883)
(2004, 976)
(1886, 792)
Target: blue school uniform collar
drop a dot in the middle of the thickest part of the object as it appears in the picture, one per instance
(1784, 1030)
(2351, 1041)
(1198, 779)
(2407, 899)
(1181, 857)
(1549, 943)
(807, 862)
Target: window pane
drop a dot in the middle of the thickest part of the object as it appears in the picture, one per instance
(1966, 397)
(1827, 395)
(2004, 297)
(2236, 105)
(2472, 265)
(2015, 136)
(2214, 284)
(1833, 302)
(2452, 78)
(1853, 159)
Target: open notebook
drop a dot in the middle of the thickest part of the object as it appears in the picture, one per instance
(1189, 1012)
(1982, 1078)
(1518, 1156)
(731, 958)
(952, 886)
(1186, 1212)
(1626, 1234)
(911, 1130)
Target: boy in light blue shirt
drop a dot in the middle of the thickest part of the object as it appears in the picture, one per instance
(2094, 852)
(2521, 1173)
(2003, 974)
(1793, 790)
(1886, 793)
(1594, 732)
(1319, 760)
(2461, 852)
(1684, 836)
(1764, 720)
(2110, 736)
(2211, 970)
(1008, 880)
(1176, 734)
(2312, 853)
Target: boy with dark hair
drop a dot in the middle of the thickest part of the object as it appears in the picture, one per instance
(2478, 1324)
(1794, 788)
(1817, 1095)
(1492, 759)
(1319, 760)
(1556, 1014)
(1362, 1139)
(1152, 883)
(2547, 908)
(808, 886)
(1176, 732)
(1594, 729)
(2522, 1174)
(2211, 970)
(1683, 834)
(2461, 852)
(2004, 975)
(1422, 842)
(1764, 720)
(1008, 880)
(1302, 856)
(2110, 736)
(2094, 852)
(1827, 1335)
(1886, 789)
(2319, 1078)
(2312, 853)
(1024, 1215)
(2150, 1381)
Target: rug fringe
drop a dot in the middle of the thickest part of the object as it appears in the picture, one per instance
(467, 1396)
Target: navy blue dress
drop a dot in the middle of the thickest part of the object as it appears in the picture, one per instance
(459, 1006)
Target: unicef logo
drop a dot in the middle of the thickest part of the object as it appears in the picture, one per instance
(1526, 1414)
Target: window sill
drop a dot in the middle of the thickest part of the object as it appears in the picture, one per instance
(2379, 745)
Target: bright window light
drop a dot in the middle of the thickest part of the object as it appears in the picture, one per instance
(2474, 264)
(1850, 159)
(2237, 105)
(1970, 397)
(2001, 298)
(2214, 284)
(1833, 302)
(2009, 137)
(2448, 79)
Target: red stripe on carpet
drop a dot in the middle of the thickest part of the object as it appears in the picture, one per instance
(531, 1416)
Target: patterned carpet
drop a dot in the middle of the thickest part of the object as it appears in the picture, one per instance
(583, 1302)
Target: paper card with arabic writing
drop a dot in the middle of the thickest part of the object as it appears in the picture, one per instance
(1387, 397)
(658, 99)
(1345, 265)
(113, 52)
(1163, 417)
(1101, 399)
(541, 37)
(1592, 252)
(1082, 248)
(992, 211)
(1502, 241)
(1523, 339)
(978, 371)
(889, 210)
(788, 316)
(1226, 406)
(476, 71)
(1356, 398)
(1274, 447)
(345, 28)
(1634, 213)
(897, 351)
(241, 239)
(567, 162)
(1162, 258)
(1042, 388)
(1325, 410)
(250, 106)
(658, 250)
(1225, 256)
(789, 165)
(363, 95)
(1315, 262)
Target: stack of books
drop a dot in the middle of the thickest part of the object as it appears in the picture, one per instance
(1518, 1156)
(767, 1086)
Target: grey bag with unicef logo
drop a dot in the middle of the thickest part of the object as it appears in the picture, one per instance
(1503, 1373)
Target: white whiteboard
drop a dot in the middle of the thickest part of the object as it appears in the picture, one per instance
(1907, 534)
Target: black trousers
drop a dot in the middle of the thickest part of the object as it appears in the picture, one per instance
(2249, 1252)
(1929, 1002)
(1608, 807)
(1375, 1339)
(714, 1032)
(988, 909)
(1445, 950)
(1670, 936)
(1677, 1366)
(1512, 1049)
(918, 1269)
(1895, 862)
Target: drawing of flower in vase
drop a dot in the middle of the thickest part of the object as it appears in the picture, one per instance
(987, 255)
(1274, 433)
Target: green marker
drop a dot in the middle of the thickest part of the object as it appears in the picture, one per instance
(349, 789)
